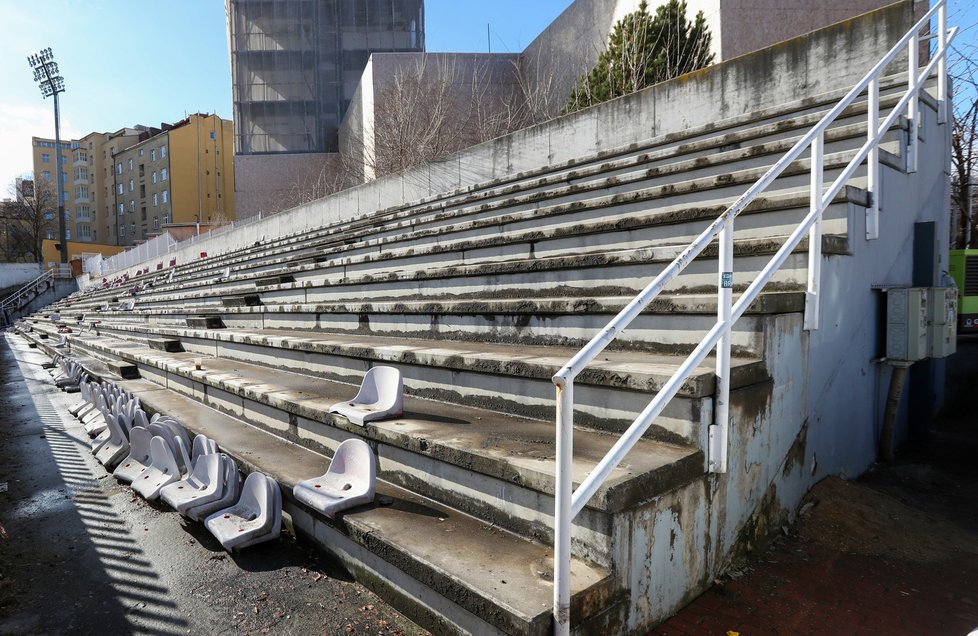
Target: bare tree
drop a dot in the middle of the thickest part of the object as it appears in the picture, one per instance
(28, 218)
(434, 105)
(964, 147)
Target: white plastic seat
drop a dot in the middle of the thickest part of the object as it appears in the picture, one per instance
(114, 427)
(162, 470)
(230, 491)
(257, 517)
(138, 459)
(380, 396)
(116, 447)
(203, 485)
(349, 482)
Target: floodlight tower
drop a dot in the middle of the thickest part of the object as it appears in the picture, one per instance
(50, 83)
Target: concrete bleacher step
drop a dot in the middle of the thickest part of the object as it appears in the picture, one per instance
(475, 574)
(504, 378)
(717, 141)
(727, 140)
(672, 324)
(495, 466)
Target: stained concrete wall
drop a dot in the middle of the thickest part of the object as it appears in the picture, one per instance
(269, 183)
(15, 274)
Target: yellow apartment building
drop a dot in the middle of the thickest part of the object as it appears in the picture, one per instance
(181, 174)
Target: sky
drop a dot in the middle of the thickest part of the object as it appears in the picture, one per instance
(129, 62)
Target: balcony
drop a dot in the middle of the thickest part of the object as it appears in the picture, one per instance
(82, 197)
(81, 177)
(79, 159)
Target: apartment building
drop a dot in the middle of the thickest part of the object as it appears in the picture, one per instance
(45, 162)
(180, 173)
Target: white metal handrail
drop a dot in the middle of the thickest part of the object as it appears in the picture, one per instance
(569, 502)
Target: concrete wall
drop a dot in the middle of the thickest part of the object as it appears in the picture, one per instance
(12, 274)
(270, 183)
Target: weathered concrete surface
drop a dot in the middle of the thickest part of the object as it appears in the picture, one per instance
(82, 555)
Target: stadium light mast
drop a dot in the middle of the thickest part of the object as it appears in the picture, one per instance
(51, 83)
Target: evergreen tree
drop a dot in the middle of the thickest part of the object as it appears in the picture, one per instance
(644, 50)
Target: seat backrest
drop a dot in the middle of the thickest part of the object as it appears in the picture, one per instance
(255, 493)
(139, 441)
(161, 456)
(140, 419)
(354, 460)
(381, 385)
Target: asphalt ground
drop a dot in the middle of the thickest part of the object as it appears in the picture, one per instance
(82, 554)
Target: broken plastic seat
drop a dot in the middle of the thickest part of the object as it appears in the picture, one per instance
(138, 459)
(116, 447)
(349, 481)
(203, 484)
(230, 492)
(256, 518)
(380, 396)
(114, 425)
(162, 470)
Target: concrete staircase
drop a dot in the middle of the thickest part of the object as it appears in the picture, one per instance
(479, 295)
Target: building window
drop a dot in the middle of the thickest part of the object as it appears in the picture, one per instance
(162, 152)
(122, 231)
(122, 209)
(140, 152)
(46, 175)
(163, 174)
(49, 216)
(132, 185)
(50, 235)
(166, 218)
(154, 176)
(130, 165)
(166, 196)
(132, 206)
(119, 188)
(46, 158)
(67, 234)
(156, 199)
(152, 154)
(118, 168)
(156, 222)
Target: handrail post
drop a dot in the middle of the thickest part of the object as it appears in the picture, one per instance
(942, 63)
(873, 161)
(563, 489)
(815, 234)
(721, 411)
(912, 108)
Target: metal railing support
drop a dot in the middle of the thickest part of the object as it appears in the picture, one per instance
(942, 63)
(912, 108)
(717, 455)
(563, 489)
(815, 234)
(873, 160)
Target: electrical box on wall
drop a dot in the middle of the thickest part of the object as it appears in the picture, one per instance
(906, 324)
(943, 321)
(921, 322)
